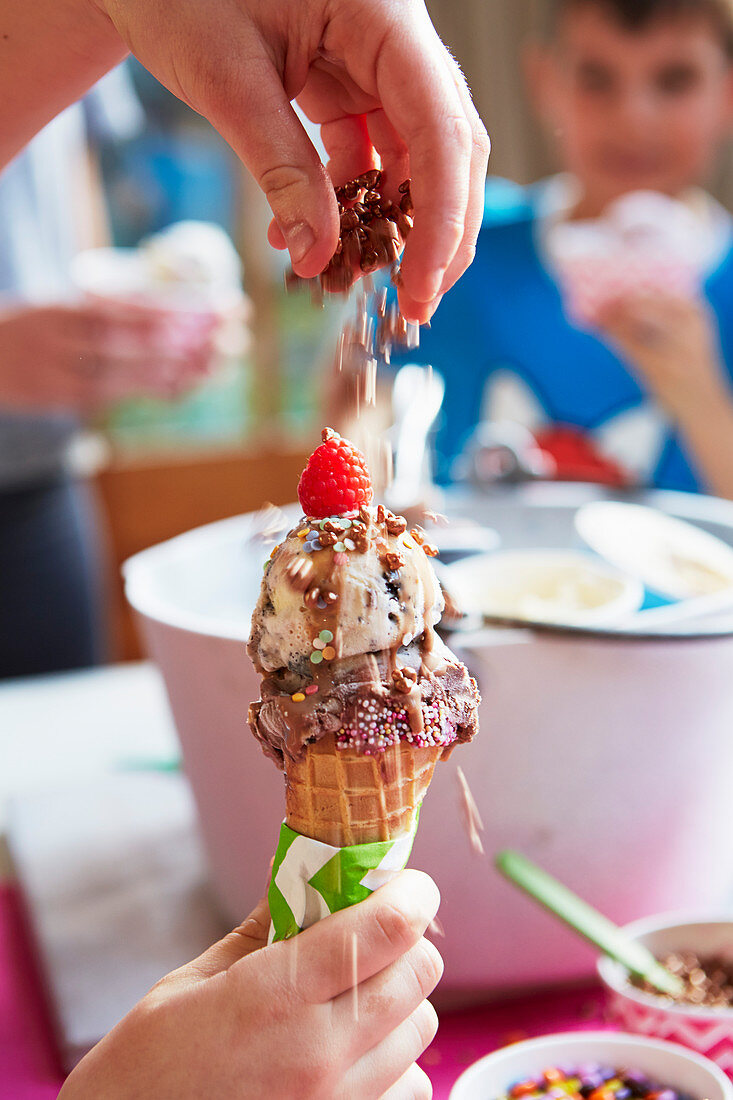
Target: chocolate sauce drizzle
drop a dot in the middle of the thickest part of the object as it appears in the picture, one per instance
(297, 708)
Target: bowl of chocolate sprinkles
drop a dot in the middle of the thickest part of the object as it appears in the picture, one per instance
(699, 949)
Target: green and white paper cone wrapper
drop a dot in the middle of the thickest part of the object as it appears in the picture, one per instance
(310, 879)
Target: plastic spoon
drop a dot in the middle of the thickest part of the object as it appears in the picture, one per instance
(587, 922)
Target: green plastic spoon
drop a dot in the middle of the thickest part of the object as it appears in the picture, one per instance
(587, 921)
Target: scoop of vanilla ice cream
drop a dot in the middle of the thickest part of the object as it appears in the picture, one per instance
(376, 608)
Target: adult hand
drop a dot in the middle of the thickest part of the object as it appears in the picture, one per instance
(337, 1012)
(372, 73)
(83, 357)
(671, 343)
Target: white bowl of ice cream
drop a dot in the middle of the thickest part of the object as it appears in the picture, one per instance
(188, 271)
(548, 586)
(189, 265)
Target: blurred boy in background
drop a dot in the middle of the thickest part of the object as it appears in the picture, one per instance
(639, 95)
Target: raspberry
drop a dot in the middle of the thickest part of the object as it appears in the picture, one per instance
(336, 479)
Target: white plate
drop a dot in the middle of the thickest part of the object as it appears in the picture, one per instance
(669, 555)
(667, 1063)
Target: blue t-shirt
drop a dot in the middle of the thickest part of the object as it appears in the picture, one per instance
(505, 320)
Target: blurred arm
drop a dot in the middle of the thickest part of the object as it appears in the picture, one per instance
(709, 436)
(51, 52)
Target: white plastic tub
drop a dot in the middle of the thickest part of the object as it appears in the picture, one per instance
(608, 761)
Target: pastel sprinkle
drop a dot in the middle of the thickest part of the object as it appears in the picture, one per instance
(299, 697)
(339, 548)
(346, 524)
(311, 689)
(329, 653)
(349, 544)
(316, 658)
(303, 533)
(340, 559)
(326, 636)
(308, 547)
(316, 545)
(318, 644)
(376, 727)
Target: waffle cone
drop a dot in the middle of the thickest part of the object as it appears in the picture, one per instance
(344, 797)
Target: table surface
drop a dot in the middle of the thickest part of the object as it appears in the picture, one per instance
(70, 726)
(50, 732)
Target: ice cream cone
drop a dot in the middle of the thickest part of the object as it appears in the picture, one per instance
(343, 796)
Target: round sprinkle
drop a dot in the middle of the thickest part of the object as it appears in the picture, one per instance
(346, 524)
(349, 544)
(323, 523)
(298, 697)
(311, 689)
(303, 533)
(318, 644)
(329, 653)
(326, 636)
(339, 548)
(316, 658)
(308, 547)
(316, 545)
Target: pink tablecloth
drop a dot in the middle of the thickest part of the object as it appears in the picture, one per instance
(29, 1069)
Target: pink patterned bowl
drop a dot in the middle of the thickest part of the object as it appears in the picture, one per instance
(707, 1031)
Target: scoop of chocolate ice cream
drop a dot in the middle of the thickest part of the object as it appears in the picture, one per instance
(370, 702)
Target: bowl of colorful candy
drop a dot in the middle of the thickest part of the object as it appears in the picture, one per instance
(593, 1065)
(700, 951)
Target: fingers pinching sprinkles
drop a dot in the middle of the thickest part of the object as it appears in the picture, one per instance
(372, 235)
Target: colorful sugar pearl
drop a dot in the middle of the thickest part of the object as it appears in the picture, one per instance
(299, 697)
(311, 689)
(377, 726)
(591, 1081)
